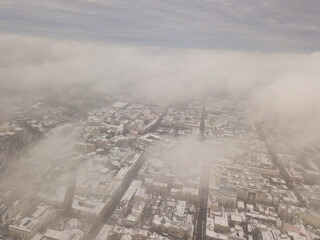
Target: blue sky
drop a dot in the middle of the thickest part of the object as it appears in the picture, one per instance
(246, 25)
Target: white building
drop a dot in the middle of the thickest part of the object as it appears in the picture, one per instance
(27, 227)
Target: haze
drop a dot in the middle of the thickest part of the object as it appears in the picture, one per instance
(159, 120)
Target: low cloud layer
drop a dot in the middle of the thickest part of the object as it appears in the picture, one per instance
(282, 86)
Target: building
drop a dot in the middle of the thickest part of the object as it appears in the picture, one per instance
(27, 227)
(221, 224)
(53, 195)
(88, 206)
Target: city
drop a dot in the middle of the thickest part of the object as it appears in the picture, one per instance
(129, 169)
(159, 120)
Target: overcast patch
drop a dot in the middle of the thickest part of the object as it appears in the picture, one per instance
(272, 26)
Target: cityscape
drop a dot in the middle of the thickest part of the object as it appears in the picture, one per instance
(159, 120)
(131, 169)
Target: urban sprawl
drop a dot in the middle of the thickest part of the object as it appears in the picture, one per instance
(125, 169)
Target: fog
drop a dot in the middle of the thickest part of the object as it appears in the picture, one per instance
(282, 87)
(80, 128)
(37, 160)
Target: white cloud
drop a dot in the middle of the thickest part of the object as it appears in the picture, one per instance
(284, 86)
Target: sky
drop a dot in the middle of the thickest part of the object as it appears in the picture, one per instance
(248, 25)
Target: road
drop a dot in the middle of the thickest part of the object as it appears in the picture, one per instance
(201, 223)
(275, 159)
(116, 199)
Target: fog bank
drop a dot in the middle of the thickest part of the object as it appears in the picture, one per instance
(278, 86)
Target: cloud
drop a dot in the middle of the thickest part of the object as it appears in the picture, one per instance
(277, 86)
(277, 26)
